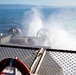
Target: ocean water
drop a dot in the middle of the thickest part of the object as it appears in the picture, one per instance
(60, 22)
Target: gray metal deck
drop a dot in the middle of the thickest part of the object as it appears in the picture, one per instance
(53, 63)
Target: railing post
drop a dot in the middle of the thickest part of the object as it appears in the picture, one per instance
(15, 69)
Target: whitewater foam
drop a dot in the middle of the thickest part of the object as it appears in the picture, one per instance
(60, 24)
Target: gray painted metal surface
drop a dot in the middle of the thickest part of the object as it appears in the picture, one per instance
(54, 63)
(48, 66)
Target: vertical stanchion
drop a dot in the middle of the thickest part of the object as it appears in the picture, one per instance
(15, 69)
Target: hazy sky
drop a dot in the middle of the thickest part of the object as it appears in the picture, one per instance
(40, 2)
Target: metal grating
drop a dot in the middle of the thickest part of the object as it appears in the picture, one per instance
(59, 63)
(49, 66)
(67, 61)
(27, 56)
(54, 62)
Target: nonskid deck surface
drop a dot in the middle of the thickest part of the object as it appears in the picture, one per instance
(54, 63)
